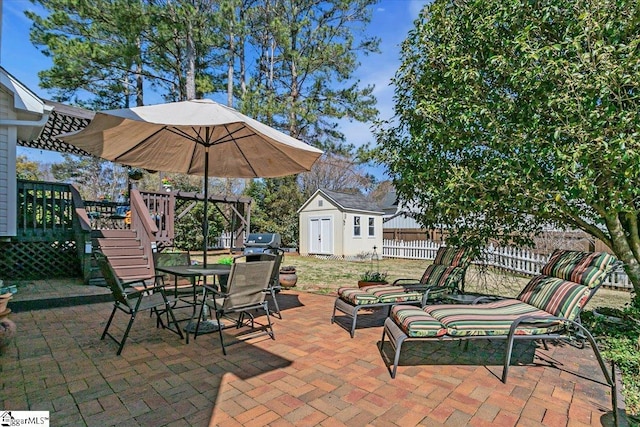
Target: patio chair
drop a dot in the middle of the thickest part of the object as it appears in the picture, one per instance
(274, 282)
(548, 308)
(134, 297)
(247, 287)
(183, 289)
(444, 276)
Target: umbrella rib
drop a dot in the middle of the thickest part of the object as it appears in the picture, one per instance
(235, 141)
(185, 135)
(145, 139)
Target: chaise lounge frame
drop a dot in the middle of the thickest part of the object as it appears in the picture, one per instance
(445, 275)
(570, 329)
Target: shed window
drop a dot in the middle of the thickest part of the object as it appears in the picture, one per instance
(356, 226)
(372, 228)
(320, 202)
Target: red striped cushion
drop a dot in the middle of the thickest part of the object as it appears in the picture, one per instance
(489, 319)
(585, 268)
(556, 296)
(443, 276)
(448, 255)
(415, 322)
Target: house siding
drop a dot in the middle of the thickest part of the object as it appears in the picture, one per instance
(8, 138)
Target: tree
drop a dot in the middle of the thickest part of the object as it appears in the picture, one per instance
(26, 169)
(302, 78)
(96, 178)
(336, 173)
(275, 205)
(514, 114)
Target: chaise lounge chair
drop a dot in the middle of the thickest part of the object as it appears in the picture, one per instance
(548, 308)
(445, 275)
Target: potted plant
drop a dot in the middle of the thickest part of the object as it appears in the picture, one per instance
(288, 277)
(222, 279)
(370, 278)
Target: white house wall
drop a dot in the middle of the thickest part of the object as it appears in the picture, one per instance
(8, 138)
(356, 245)
(402, 221)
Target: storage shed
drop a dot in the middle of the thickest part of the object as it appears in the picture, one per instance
(340, 225)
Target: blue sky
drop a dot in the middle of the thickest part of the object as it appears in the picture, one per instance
(391, 21)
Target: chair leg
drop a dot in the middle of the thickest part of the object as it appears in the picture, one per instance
(126, 333)
(275, 303)
(270, 326)
(106, 328)
(224, 351)
(354, 319)
(173, 320)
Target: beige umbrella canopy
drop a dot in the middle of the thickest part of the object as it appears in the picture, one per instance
(198, 137)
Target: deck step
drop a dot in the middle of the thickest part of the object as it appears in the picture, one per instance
(113, 234)
(117, 242)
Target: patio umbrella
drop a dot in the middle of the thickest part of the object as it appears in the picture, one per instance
(198, 137)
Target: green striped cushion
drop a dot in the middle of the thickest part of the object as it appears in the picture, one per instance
(585, 268)
(378, 294)
(489, 319)
(448, 255)
(415, 322)
(356, 296)
(389, 294)
(442, 275)
(559, 297)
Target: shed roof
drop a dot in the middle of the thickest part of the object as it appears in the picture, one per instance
(347, 201)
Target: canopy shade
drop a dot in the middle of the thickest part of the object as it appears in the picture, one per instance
(199, 137)
(174, 137)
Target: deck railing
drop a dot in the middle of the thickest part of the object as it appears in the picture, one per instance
(52, 233)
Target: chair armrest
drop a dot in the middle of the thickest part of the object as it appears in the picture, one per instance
(410, 282)
(143, 282)
(215, 291)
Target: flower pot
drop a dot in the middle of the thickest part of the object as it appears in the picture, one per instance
(363, 283)
(288, 278)
(4, 300)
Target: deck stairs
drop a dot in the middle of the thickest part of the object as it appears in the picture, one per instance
(125, 253)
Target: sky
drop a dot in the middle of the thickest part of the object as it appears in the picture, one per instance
(391, 21)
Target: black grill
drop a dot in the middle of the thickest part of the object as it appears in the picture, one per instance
(262, 243)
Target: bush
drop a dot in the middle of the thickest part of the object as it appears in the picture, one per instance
(620, 343)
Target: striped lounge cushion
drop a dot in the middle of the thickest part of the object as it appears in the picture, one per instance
(416, 323)
(442, 276)
(448, 255)
(489, 319)
(556, 296)
(585, 268)
(378, 294)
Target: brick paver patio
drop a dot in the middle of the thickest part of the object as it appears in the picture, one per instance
(313, 374)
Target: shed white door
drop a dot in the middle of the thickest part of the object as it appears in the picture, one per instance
(321, 239)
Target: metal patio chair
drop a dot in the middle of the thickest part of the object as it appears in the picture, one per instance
(134, 297)
(247, 287)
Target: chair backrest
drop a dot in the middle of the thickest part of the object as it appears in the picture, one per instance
(568, 281)
(277, 258)
(247, 283)
(163, 259)
(110, 276)
(448, 268)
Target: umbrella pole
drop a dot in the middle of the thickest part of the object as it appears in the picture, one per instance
(205, 225)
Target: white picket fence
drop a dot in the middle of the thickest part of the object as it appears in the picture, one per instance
(519, 261)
